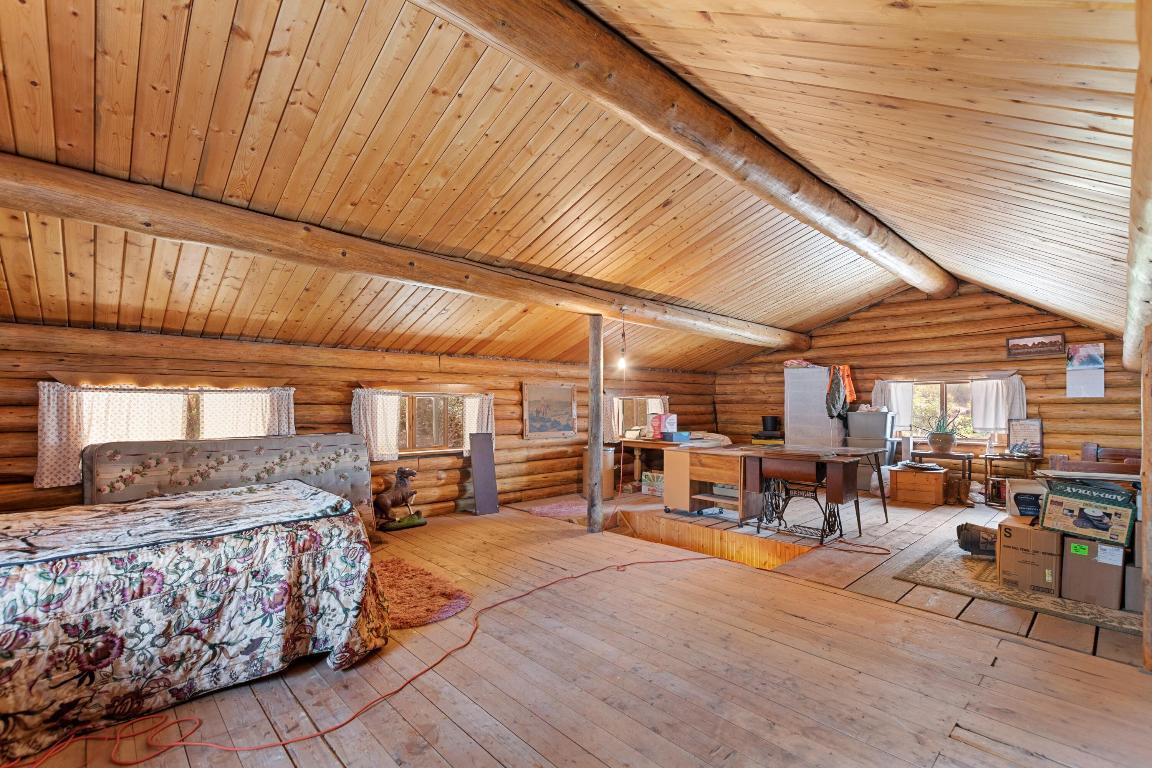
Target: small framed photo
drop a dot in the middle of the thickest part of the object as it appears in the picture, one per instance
(1026, 437)
(1048, 345)
(549, 410)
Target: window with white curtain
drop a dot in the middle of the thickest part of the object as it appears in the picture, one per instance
(982, 406)
(71, 418)
(394, 423)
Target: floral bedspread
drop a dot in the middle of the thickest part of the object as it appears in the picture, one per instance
(114, 610)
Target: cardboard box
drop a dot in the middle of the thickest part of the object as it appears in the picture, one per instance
(663, 422)
(1133, 589)
(1092, 572)
(652, 483)
(676, 437)
(1025, 487)
(1100, 512)
(1028, 557)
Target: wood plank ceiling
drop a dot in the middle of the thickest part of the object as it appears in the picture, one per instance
(994, 135)
(378, 119)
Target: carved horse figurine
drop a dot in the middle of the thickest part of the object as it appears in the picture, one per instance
(398, 496)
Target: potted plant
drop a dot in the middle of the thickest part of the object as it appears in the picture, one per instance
(942, 432)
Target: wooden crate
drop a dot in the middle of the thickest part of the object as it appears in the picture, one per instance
(911, 487)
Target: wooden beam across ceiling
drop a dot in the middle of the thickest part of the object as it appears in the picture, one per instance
(1139, 314)
(44, 188)
(567, 42)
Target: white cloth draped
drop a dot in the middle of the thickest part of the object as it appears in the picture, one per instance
(376, 417)
(897, 397)
(247, 412)
(995, 401)
(71, 418)
(479, 418)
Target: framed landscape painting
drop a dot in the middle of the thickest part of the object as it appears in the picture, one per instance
(549, 410)
(1048, 345)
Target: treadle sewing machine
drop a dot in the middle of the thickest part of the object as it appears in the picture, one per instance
(767, 479)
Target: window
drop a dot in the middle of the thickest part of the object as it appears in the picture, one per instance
(954, 398)
(438, 423)
(71, 418)
(409, 422)
(630, 413)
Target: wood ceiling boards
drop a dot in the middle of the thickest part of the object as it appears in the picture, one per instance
(994, 136)
(379, 119)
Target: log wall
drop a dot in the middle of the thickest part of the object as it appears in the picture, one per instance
(324, 379)
(910, 336)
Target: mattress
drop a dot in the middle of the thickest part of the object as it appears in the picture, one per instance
(114, 610)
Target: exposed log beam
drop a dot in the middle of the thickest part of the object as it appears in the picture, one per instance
(53, 190)
(567, 42)
(1140, 216)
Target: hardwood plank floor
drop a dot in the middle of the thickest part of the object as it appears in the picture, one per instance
(704, 663)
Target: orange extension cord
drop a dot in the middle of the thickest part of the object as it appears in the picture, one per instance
(157, 725)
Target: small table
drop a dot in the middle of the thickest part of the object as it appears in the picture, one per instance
(1030, 463)
(965, 460)
(638, 446)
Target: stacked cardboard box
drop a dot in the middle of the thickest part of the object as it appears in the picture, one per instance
(1092, 572)
(1028, 558)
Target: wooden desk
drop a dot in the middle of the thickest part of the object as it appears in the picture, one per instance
(690, 473)
(638, 447)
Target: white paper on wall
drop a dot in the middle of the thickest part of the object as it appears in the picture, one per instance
(1085, 370)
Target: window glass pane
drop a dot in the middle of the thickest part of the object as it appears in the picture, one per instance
(429, 421)
(960, 403)
(109, 416)
(455, 407)
(926, 406)
(403, 444)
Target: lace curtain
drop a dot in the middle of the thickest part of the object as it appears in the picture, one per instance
(479, 418)
(376, 417)
(71, 418)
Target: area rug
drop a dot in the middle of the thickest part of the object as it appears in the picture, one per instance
(950, 568)
(416, 596)
(561, 509)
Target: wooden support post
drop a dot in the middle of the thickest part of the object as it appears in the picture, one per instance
(595, 423)
(1146, 490)
(1140, 204)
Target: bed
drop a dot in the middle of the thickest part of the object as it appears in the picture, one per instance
(153, 593)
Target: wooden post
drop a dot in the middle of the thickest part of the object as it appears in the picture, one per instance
(595, 423)
(1140, 206)
(1146, 491)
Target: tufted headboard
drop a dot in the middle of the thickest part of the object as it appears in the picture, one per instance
(127, 471)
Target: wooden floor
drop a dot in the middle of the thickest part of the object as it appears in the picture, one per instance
(911, 532)
(691, 664)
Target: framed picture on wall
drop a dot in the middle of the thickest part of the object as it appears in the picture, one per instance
(549, 410)
(1048, 345)
(1026, 437)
